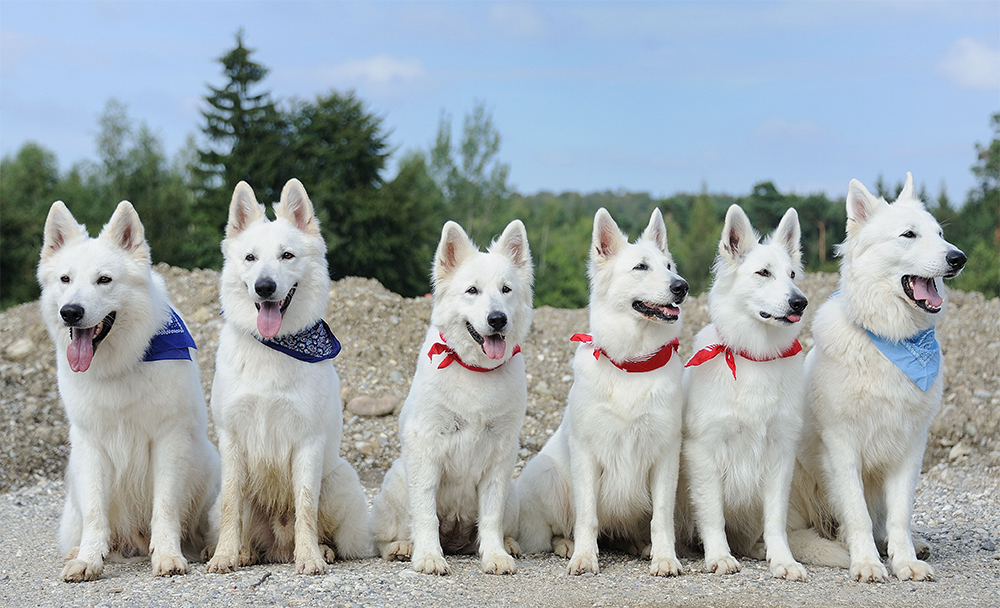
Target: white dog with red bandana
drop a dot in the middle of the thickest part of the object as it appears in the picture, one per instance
(450, 490)
(744, 389)
(610, 470)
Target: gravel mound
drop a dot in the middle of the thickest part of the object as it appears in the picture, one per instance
(381, 332)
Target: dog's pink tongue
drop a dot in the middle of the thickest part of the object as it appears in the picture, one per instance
(81, 349)
(794, 318)
(269, 319)
(494, 346)
(925, 289)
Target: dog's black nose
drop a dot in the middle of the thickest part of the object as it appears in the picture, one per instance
(265, 287)
(956, 259)
(798, 302)
(680, 289)
(71, 313)
(497, 320)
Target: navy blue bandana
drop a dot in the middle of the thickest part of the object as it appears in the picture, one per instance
(172, 341)
(313, 344)
(919, 356)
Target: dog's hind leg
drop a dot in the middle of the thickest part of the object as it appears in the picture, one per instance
(343, 512)
(540, 492)
(390, 518)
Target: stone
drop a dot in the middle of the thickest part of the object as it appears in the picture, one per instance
(20, 349)
(366, 405)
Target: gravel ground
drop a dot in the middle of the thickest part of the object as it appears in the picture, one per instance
(957, 507)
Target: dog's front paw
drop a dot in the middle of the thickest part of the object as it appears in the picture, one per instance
(562, 546)
(665, 566)
(312, 565)
(869, 571)
(79, 570)
(583, 562)
(399, 550)
(722, 564)
(511, 547)
(790, 571)
(913, 571)
(499, 563)
(429, 563)
(222, 563)
(168, 565)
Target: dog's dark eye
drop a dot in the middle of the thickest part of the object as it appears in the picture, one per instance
(103, 280)
(472, 291)
(793, 274)
(505, 289)
(287, 255)
(641, 266)
(250, 257)
(670, 267)
(909, 234)
(764, 272)
(64, 278)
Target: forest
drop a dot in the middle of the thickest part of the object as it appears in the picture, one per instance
(388, 228)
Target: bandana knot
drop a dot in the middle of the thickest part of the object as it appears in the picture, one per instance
(451, 356)
(311, 345)
(171, 341)
(918, 356)
(713, 350)
(638, 365)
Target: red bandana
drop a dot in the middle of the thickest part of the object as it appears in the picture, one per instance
(711, 351)
(643, 364)
(442, 347)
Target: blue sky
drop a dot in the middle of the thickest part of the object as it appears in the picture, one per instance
(656, 97)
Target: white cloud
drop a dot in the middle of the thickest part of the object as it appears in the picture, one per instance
(380, 69)
(971, 64)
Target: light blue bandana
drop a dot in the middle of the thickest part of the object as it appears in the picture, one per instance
(919, 356)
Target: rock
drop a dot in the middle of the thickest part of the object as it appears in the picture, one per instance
(372, 406)
(19, 350)
(988, 545)
(958, 451)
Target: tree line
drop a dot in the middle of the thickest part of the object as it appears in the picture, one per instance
(388, 228)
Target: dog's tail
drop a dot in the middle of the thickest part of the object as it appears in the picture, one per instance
(809, 546)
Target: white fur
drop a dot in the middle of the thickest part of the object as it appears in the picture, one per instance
(142, 474)
(740, 435)
(610, 470)
(867, 422)
(286, 492)
(459, 427)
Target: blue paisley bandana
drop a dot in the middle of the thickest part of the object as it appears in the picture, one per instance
(313, 344)
(172, 341)
(919, 356)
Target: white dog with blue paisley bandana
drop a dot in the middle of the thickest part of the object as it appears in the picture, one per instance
(286, 492)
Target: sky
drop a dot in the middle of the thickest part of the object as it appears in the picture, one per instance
(587, 96)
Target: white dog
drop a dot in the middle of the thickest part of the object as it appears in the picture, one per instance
(874, 386)
(610, 470)
(460, 422)
(286, 492)
(142, 474)
(744, 389)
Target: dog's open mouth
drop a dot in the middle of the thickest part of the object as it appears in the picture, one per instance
(269, 314)
(494, 345)
(923, 292)
(788, 319)
(84, 342)
(657, 312)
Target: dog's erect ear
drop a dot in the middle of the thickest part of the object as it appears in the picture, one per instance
(454, 247)
(514, 244)
(907, 191)
(861, 205)
(737, 234)
(125, 230)
(296, 207)
(656, 231)
(788, 234)
(607, 239)
(243, 210)
(60, 228)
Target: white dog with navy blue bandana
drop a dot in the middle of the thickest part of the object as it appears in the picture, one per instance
(286, 492)
(875, 380)
(142, 474)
